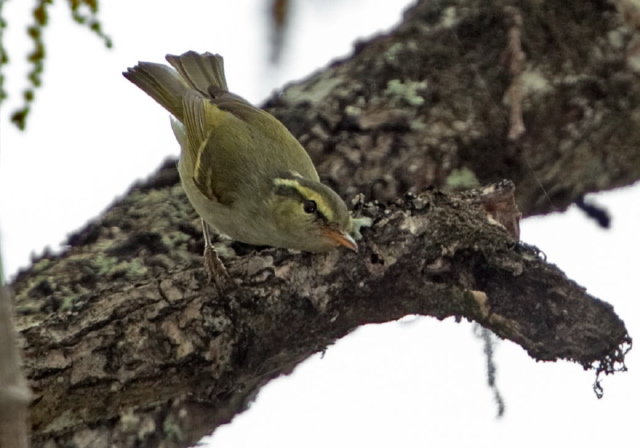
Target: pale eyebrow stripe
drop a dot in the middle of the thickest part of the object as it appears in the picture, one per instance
(292, 187)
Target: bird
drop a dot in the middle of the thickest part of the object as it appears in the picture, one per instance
(242, 170)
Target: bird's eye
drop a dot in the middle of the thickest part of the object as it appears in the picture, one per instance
(310, 206)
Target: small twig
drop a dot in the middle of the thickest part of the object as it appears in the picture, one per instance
(489, 342)
(515, 58)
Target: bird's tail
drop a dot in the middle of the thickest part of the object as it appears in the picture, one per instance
(167, 86)
(200, 71)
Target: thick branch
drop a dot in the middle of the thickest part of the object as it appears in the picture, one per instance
(445, 93)
(148, 331)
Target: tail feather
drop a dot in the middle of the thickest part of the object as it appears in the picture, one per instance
(161, 83)
(200, 71)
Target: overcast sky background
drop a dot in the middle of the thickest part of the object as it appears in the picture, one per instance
(417, 382)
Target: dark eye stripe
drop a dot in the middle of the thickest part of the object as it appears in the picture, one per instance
(293, 192)
(309, 206)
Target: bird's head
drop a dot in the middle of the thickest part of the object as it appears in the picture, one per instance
(309, 215)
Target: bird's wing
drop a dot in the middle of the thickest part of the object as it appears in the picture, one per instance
(197, 131)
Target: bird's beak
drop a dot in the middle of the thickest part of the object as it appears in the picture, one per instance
(341, 238)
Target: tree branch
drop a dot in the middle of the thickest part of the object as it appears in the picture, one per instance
(149, 333)
(438, 93)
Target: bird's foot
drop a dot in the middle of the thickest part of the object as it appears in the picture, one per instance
(216, 272)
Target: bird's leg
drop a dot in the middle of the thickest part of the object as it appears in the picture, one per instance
(214, 266)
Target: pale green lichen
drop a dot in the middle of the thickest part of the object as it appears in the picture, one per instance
(129, 421)
(392, 52)
(131, 270)
(27, 308)
(405, 93)
(391, 55)
(462, 179)
(42, 265)
(417, 125)
(104, 264)
(356, 224)
(320, 88)
(68, 300)
(175, 239)
(449, 17)
(172, 429)
(534, 82)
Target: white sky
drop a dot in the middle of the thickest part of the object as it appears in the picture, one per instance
(419, 382)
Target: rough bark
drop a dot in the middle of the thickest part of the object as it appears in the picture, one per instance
(442, 92)
(125, 343)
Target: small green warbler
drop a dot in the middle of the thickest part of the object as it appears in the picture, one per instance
(242, 170)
